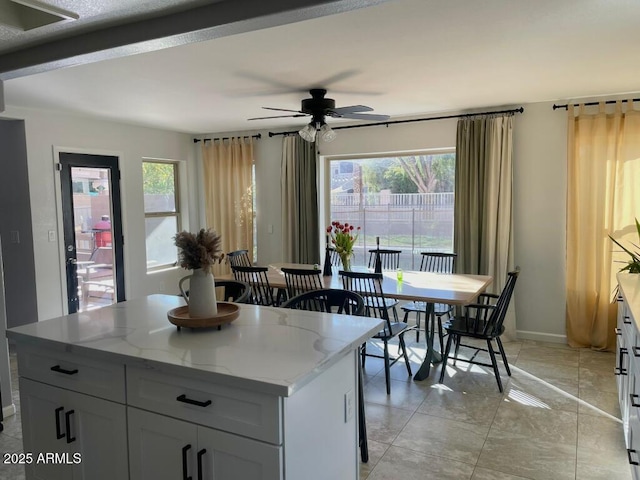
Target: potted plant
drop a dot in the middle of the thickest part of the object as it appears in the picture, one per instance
(633, 265)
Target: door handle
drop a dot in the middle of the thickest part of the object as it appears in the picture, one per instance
(67, 422)
(183, 398)
(59, 433)
(200, 454)
(59, 369)
(185, 449)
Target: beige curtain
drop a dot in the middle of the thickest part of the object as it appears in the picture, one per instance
(602, 198)
(483, 213)
(299, 201)
(228, 192)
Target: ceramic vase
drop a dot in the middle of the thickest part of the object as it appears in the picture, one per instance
(201, 296)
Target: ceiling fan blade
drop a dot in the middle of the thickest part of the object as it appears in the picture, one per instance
(351, 109)
(366, 116)
(279, 116)
(282, 109)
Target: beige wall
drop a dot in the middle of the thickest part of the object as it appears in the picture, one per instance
(539, 201)
(46, 131)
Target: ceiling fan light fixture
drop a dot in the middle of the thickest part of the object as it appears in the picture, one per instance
(308, 133)
(327, 134)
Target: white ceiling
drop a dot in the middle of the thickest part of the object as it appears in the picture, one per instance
(401, 57)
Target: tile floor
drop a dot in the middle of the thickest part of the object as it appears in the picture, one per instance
(557, 419)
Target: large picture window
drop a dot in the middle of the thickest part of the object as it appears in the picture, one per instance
(405, 201)
(161, 211)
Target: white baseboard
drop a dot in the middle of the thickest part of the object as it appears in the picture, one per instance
(541, 337)
(8, 410)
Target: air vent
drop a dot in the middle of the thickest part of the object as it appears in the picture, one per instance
(29, 14)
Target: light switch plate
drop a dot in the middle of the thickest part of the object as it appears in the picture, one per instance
(348, 406)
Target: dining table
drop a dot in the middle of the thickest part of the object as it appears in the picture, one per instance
(431, 288)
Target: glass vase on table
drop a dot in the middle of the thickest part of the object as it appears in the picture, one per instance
(345, 258)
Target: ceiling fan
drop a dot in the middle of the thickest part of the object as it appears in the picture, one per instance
(319, 107)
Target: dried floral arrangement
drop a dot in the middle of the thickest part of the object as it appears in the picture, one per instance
(199, 250)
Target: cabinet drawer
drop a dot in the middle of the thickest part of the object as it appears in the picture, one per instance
(73, 372)
(243, 412)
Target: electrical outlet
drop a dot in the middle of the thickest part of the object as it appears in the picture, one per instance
(348, 406)
(15, 236)
(52, 235)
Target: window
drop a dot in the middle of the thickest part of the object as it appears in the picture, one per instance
(406, 201)
(161, 211)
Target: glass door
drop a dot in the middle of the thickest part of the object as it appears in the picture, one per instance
(92, 230)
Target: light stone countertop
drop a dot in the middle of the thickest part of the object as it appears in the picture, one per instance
(630, 288)
(271, 350)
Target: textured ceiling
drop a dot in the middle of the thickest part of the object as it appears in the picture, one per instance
(92, 14)
(401, 57)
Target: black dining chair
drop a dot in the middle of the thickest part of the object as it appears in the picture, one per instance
(341, 302)
(256, 277)
(388, 259)
(239, 258)
(330, 300)
(233, 291)
(483, 320)
(369, 286)
(381, 259)
(301, 280)
(437, 262)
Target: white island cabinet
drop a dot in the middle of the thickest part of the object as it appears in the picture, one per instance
(628, 365)
(120, 393)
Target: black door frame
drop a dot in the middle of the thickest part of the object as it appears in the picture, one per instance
(67, 161)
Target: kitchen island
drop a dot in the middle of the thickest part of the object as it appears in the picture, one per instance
(120, 393)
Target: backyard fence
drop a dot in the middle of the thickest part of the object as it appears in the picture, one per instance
(410, 222)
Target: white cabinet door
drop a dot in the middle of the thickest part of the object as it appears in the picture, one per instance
(88, 433)
(99, 430)
(166, 448)
(222, 456)
(43, 429)
(161, 447)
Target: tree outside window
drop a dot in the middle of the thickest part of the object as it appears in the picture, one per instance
(162, 212)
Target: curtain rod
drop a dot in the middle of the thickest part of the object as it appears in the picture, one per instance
(566, 106)
(378, 124)
(196, 140)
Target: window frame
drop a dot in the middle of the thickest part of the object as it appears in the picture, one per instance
(326, 175)
(178, 210)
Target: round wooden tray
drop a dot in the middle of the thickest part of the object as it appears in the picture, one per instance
(227, 313)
